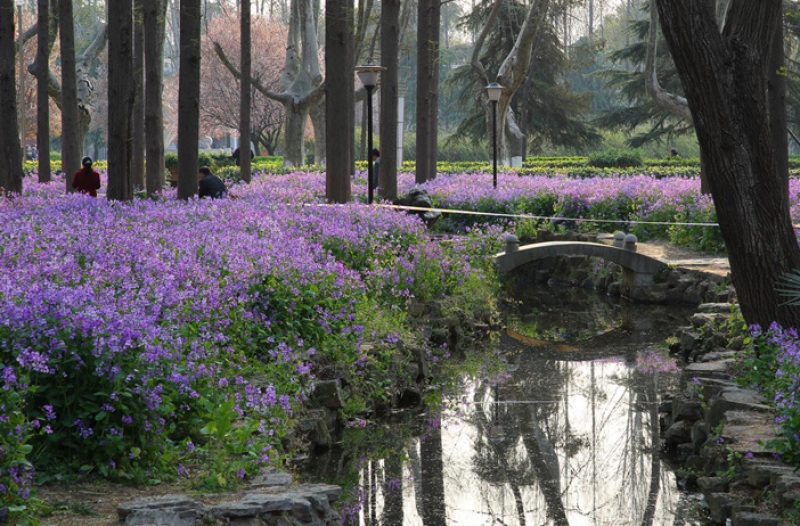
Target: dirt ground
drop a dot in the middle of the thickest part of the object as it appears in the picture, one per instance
(685, 257)
(681, 256)
(94, 503)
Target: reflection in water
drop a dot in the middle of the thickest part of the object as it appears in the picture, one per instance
(562, 441)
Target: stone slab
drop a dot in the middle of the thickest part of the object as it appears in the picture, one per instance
(744, 430)
(734, 399)
(719, 308)
(271, 477)
(719, 370)
(720, 506)
(760, 471)
(748, 518)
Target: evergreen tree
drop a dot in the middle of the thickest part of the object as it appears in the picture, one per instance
(547, 111)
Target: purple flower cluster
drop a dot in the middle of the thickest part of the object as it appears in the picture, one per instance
(125, 317)
(650, 361)
(774, 370)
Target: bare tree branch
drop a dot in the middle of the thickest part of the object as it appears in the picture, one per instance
(280, 97)
(476, 52)
(669, 102)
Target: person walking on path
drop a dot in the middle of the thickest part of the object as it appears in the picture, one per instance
(211, 185)
(86, 180)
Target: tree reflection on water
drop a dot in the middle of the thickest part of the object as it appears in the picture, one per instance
(568, 439)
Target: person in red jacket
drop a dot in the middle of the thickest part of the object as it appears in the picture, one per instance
(86, 180)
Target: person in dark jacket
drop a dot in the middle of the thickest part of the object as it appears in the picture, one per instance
(237, 154)
(86, 180)
(376, 166)
(211, 185)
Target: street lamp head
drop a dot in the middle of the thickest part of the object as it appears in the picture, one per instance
(494, 90)
(368, 74)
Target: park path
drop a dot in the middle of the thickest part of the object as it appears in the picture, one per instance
(679, 256)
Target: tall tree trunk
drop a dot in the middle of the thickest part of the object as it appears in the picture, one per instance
(435, 57)
(725, 80)
(245, 97)
(339, 63)
(189, 97)
(350, 122)
(390, 43)
(42, 94)
(669, 102)
(70, 127)
(10, 151)
(317, 114)
(776, 100)
(120, 99)
(155, 12)
(511, 75)
(301, 83)
(362, 145)
(428, 17)
(137, 162)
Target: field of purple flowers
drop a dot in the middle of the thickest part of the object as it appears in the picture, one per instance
(160, 336)
(627, 202)
(164, 337)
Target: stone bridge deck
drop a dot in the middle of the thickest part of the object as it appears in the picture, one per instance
(637, 264)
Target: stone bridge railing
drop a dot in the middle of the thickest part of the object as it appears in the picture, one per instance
(637, 269)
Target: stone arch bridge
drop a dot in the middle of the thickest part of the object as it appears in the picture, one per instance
(637, 269)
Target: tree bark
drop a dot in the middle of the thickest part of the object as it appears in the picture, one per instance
(245, 97)
(44, 45)
(339, 78)
(155, 12)
(350, 122)
(428, 17)
(390, 43)
(318, 123)
(120, 99)
(137, 161)
(725, 81)
(435, 22)
(776, 99)
(70, 126)
(189, 97)
(10, 151)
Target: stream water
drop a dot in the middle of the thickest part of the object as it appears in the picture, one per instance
(568, 434)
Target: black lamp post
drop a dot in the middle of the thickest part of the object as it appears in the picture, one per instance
(368, 75)
(494, 90)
